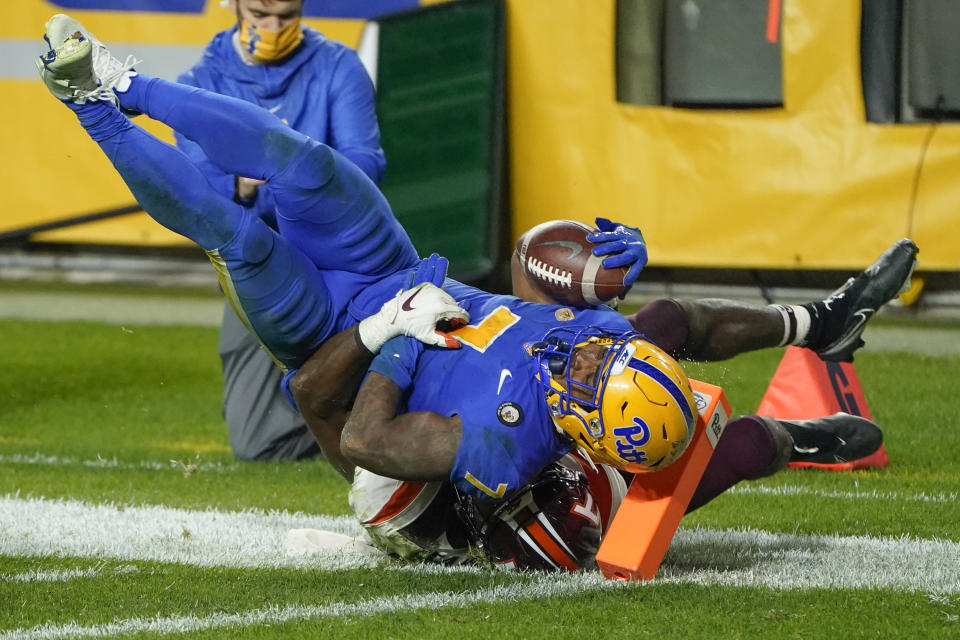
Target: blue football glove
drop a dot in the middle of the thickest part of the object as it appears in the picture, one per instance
(432, 270)
(627, 245)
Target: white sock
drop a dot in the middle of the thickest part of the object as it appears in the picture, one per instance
(796, 323)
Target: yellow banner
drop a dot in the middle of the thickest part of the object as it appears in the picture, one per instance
(811, 185)
(53, 171)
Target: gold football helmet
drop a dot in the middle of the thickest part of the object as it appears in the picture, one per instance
(634, 410)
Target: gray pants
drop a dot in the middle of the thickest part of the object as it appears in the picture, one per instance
(261, 423)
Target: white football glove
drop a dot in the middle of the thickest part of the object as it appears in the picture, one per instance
(414, 312)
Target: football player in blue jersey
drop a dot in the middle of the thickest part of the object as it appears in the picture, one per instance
(557, 520)
(339, 255)
(531, 381)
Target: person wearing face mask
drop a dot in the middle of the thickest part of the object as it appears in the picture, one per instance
(320, 88)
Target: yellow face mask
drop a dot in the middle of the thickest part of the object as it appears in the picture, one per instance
(269, 46)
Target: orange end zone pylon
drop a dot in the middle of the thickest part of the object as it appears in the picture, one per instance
(805, 387)
(641, 531)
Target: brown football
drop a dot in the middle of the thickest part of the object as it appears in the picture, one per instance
(559, 260)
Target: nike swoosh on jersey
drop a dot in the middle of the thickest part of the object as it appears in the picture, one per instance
(504, 374)
(406, 306)
(575, 247)
(275, 109)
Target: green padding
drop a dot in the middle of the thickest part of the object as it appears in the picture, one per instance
(440, 104)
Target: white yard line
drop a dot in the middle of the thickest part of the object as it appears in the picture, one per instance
(38, 527)
(752, 558)
(740, 558)
(205, 538)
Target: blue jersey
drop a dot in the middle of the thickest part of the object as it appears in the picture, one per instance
(322, 91)
(508, 435)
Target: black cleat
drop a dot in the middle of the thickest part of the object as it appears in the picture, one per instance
(837, 442)
(842, 316)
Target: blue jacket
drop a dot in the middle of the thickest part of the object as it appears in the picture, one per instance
(322, 91)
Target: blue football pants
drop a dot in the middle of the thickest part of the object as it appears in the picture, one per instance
(337, 233)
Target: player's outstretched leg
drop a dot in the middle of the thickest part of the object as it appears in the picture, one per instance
(833, 327)
(162, 179)
(750, 447)
(326, 206)
(278, 292)
(754, 447)
(239, 137)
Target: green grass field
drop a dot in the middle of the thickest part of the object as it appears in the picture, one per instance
(123, 513)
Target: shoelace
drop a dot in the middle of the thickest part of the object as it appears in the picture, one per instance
(109, 70)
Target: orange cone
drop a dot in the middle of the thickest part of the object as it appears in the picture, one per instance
(805, 387)
(637, 540)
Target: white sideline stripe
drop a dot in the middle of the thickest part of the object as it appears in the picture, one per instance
(210, 538)
(112, 463)
(543, 586)
(872, 494)
(37, 527)
(751, 558)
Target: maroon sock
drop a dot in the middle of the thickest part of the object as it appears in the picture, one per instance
(750, 447)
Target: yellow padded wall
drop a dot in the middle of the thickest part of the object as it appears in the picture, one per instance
(809, 185)
(52, 170)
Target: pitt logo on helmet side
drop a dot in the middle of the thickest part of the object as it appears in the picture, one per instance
(631, 438)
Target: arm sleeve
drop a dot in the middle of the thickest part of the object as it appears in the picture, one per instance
(354, 131)
(397, 360)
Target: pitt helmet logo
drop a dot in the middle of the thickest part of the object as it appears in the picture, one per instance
(630, 439)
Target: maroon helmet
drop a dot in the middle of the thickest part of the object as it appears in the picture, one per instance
(550, 524)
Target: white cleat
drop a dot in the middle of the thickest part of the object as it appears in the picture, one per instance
(78, 67)
(67, 68)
